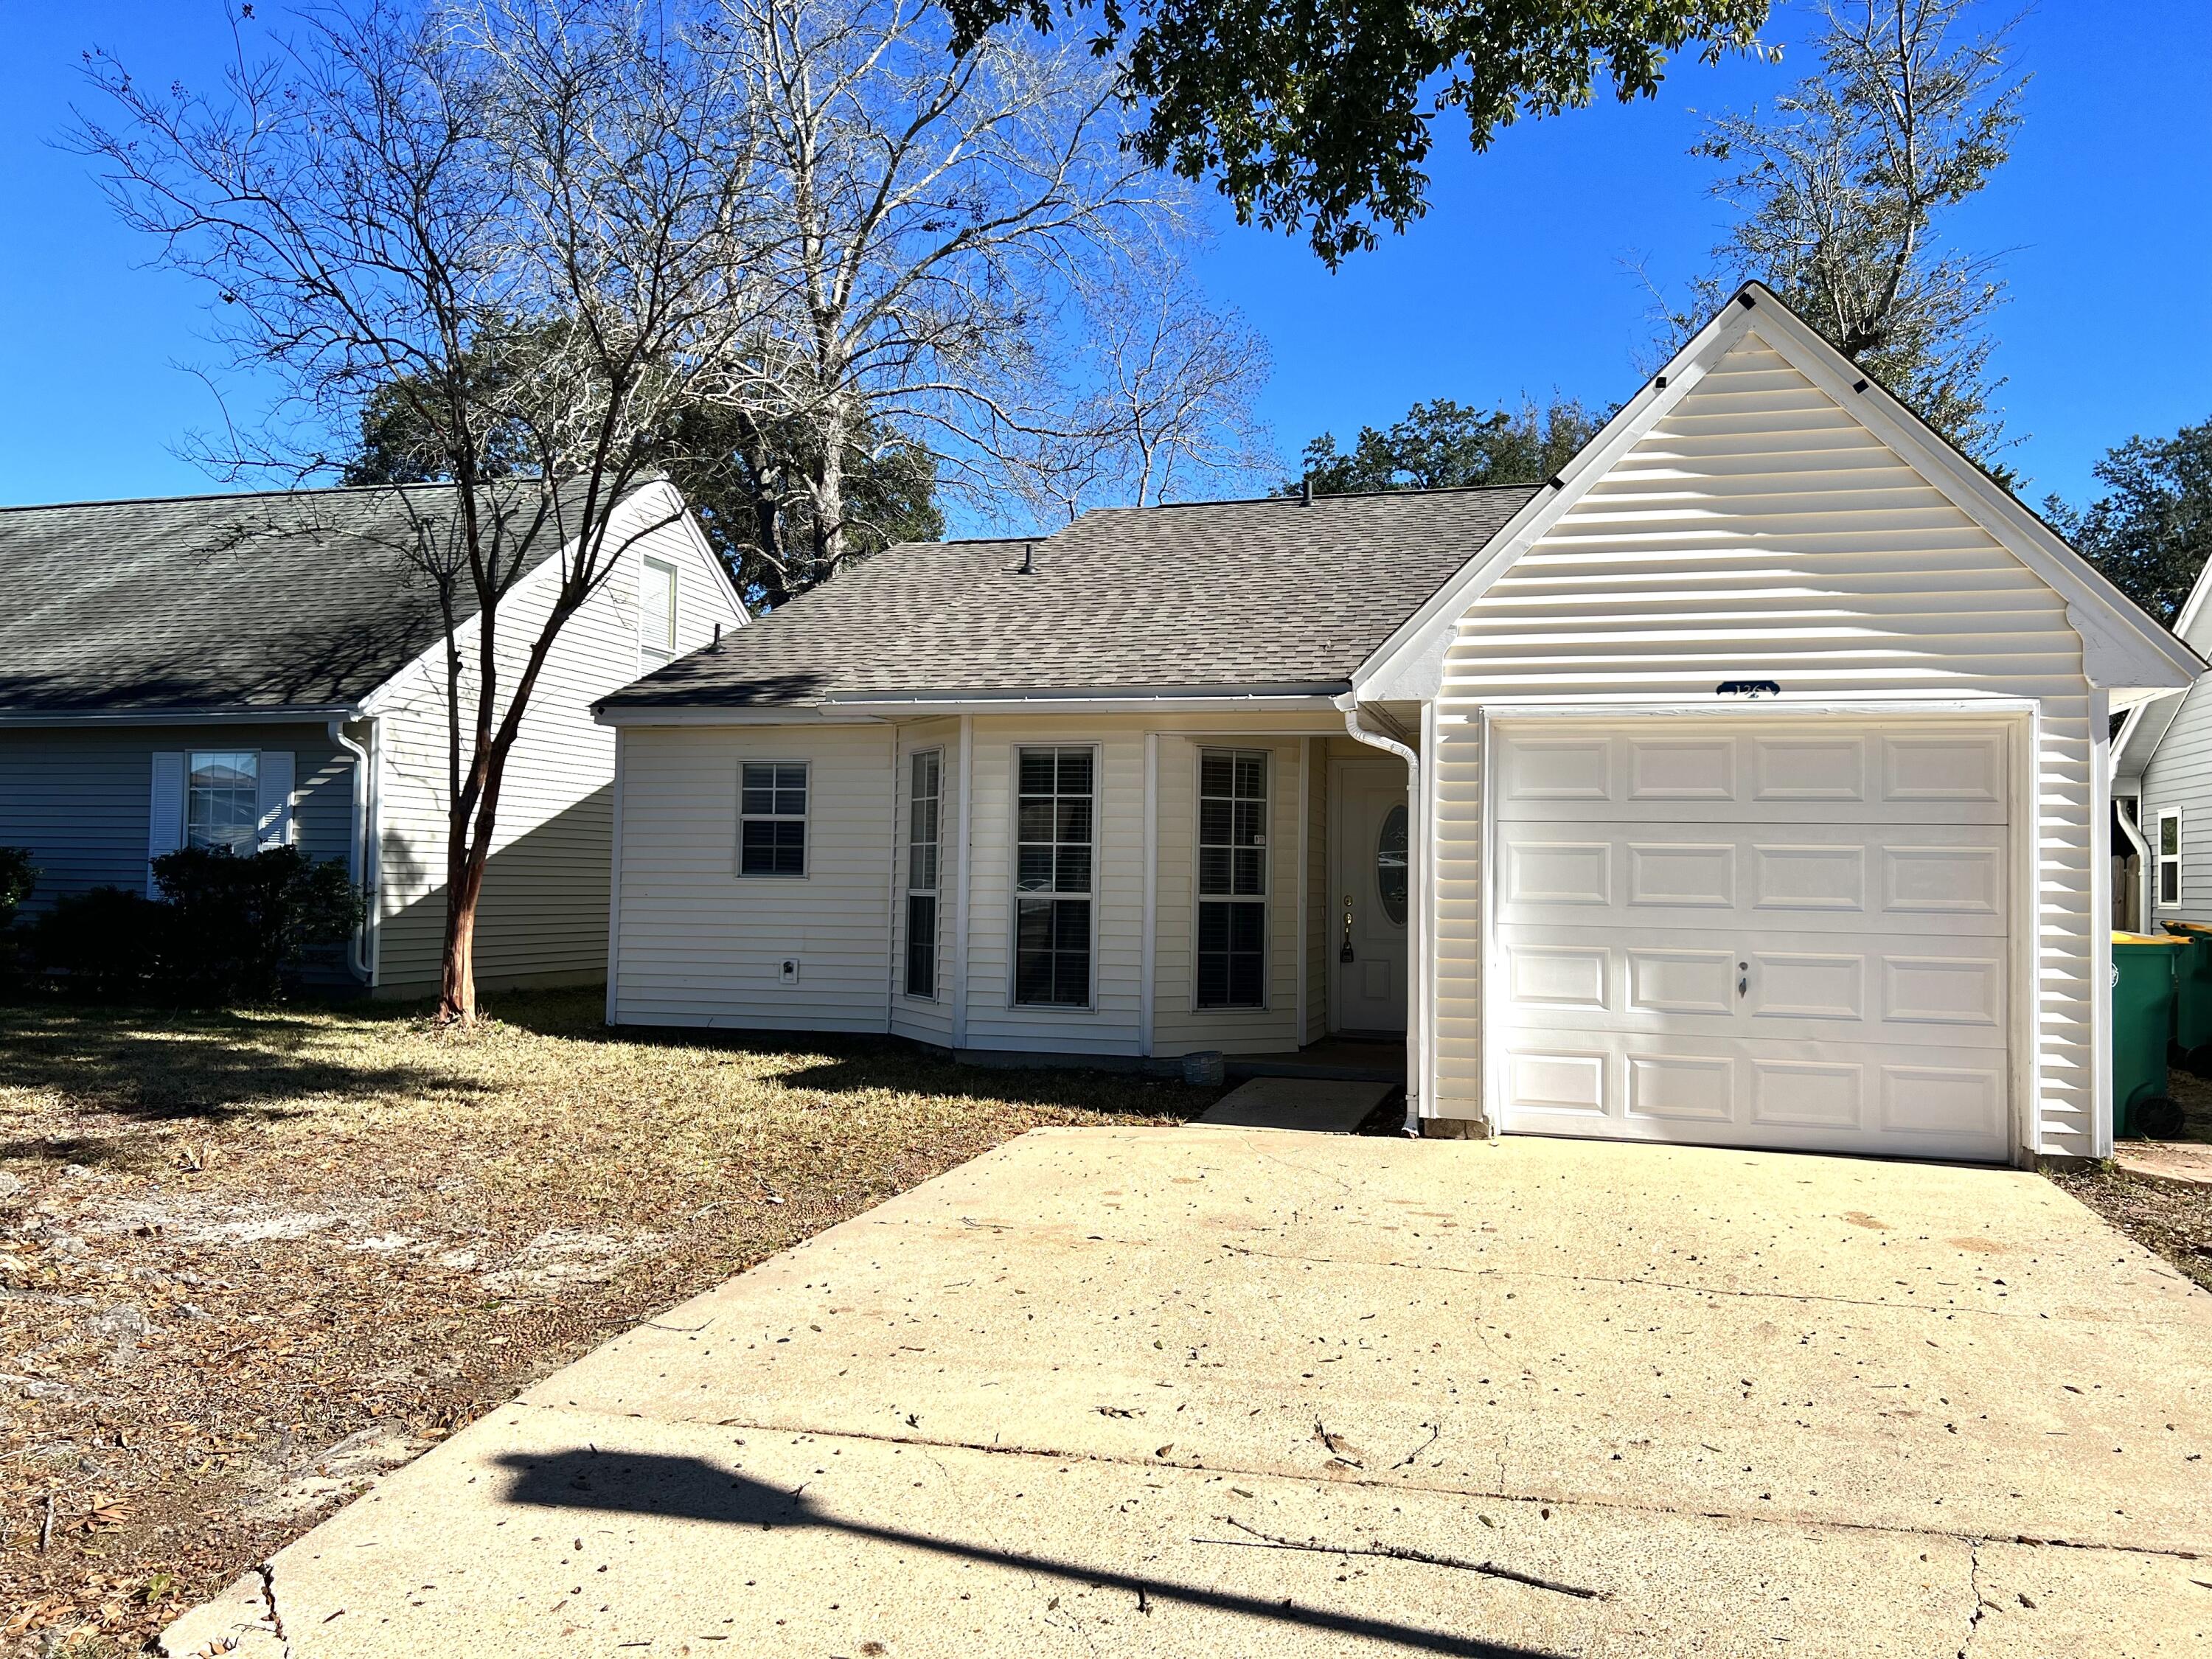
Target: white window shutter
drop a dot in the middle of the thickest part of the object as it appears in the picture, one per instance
(273, 801)
(165, 814)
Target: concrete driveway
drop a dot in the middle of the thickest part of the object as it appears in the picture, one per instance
(1222, 1391)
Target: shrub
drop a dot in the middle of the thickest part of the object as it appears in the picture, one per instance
(108, 942)
(238, 923)
(17, 877)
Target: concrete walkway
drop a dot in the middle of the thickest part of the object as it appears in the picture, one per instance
(1330, 1106)
(1212, 1391)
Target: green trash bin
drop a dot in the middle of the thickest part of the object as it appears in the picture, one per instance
(2193, 1001)
(2143, 998)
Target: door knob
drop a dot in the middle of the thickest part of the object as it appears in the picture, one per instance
(1743, 978)
(1344, 955)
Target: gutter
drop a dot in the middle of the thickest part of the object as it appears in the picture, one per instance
(357, 850)
(1416, 931)
(295, 714)
(856, 707)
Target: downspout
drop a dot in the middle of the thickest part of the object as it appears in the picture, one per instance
(357, 849)
(1417, 862)
(2145, 866)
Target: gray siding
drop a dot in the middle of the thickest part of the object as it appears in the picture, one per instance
(2179, 779)
(78, 796)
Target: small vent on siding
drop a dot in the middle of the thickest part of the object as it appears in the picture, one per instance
(1746, 300)
(1858, 385)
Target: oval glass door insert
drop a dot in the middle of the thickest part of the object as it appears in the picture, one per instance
(1390, 865)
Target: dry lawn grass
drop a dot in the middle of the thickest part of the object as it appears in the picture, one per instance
(248, 1260)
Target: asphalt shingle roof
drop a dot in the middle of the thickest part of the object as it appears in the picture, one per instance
(1222, 594)
(215, 602)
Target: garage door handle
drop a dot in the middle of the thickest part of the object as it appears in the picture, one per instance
(1743, 978)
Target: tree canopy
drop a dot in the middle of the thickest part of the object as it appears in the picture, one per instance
(1318, 118)
(1445, 445)
(2151, 533)
(1841, 186)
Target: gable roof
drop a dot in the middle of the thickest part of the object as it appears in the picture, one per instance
(2123, 648)
(265, 601)
(1250, 596)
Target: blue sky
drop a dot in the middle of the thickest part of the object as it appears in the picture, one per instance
(1515, 281)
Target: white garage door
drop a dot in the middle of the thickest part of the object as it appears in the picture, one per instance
(1755, 933)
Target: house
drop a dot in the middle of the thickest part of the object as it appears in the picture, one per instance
(259, 669)
(1744, 784)
(2162, 795)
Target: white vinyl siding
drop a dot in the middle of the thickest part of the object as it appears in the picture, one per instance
(700, 945)
(1761, 532)
(543, 915)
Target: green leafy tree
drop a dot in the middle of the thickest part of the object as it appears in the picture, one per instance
(1320, 118)
(1841, 186)
(746, 481)
(1445, 445)
(2151, 533)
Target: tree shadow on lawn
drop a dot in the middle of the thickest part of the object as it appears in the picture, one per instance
(692, 1489)
(842, 1063)
(154, 1065)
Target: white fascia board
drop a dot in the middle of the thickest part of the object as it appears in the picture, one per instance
(2141, 732)
(1409, 664)
(2121, 648)
(650, 715)
(1068, 703)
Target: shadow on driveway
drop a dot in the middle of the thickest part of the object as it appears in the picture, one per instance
(692, 1489)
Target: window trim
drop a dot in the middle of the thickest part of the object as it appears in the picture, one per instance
(1265, 898)
(911, 892)
(805, 821)
(253, 841)
(2160, 859)
(1014, 894)
(649, 659)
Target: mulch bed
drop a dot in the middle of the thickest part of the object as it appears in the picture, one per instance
(248, 1260)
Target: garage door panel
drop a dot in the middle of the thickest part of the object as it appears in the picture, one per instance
(1917, 992)
(1844, 1097)
(1780, 933)
(1918, 878)
(1784, 771)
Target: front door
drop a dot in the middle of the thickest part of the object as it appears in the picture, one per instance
(1368, 896)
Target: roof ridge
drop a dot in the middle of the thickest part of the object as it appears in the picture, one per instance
(239, 495)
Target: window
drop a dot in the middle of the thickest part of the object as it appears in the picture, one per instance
(222, 792)
(656, 613)
(1053, 876)
(923, 825)
(1232, 878)
(771, 819)
(2167, 846)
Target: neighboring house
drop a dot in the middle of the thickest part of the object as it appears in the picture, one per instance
(255, 670)
(1745, 784)
(2162, 794)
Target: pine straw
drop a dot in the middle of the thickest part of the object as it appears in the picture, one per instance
(244, 1239)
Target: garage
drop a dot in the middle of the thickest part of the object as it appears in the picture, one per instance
(1769, 930)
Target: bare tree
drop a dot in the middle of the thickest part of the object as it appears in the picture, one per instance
(946, 215)
(1840, 188)
(531, 226)
(1160, 392)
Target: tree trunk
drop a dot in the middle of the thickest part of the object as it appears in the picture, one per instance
(457, 982)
